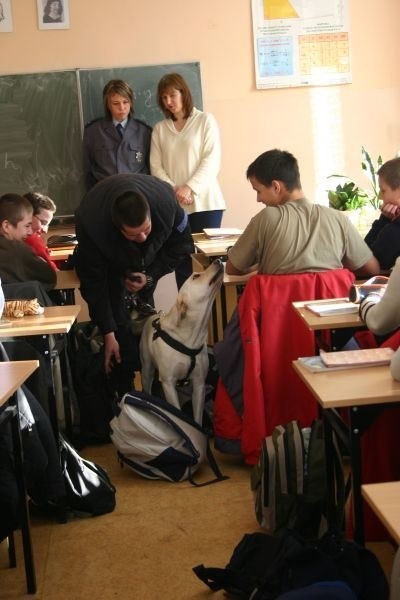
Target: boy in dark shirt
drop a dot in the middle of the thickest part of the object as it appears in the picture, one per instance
(17, 260)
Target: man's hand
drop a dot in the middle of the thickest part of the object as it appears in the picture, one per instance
(111, 352)
(135, 282)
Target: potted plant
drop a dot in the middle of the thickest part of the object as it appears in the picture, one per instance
(371, 172)
(347, 196)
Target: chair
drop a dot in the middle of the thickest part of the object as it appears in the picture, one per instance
(272, 336)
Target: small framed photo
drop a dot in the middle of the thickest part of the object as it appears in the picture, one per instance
(6, 24)
(53, 14)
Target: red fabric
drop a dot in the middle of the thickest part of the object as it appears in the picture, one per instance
(37, 244)
(380, 456)
(273, 335)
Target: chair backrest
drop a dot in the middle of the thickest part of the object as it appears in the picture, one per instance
(273, 335)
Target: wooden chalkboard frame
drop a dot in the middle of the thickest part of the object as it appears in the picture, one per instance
(42, 117)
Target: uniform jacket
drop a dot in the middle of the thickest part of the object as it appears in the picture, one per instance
(104, 256)
(18, 262)
(105, 153)
(272, 336)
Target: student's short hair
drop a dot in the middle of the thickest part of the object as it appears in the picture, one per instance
(176, 81)
(117, 86)
(131, 209)
(13, 208)
(39, 202)
(390, 172)
(276, 165)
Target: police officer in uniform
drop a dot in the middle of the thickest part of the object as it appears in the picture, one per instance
(118, 143)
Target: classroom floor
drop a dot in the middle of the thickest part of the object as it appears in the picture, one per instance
(146, 548)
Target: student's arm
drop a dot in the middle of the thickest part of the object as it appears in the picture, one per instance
(381, 314)
(371, 267)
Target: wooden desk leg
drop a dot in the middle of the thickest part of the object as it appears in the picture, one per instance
(20, 478)
(355, 453)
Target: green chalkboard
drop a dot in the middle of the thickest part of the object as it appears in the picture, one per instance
(40, 137)
(143, 81)
(42, 116)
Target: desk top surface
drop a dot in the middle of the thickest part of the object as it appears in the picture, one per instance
(67, 280)
(56, 319)
(384, 499)
(351, 387)
(13, 374)
(317, 323)
(213, 247)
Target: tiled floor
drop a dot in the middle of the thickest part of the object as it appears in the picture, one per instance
(146, 548)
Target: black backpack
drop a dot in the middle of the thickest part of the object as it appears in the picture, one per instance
(264, 567)
(88, 487)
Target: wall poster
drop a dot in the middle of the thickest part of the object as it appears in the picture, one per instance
(301, 43)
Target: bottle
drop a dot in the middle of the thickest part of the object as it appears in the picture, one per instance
(375, 285)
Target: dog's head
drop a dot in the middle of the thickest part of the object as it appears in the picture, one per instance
(198, 292)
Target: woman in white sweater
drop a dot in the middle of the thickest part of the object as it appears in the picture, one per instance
(186, 152)
(381, 313)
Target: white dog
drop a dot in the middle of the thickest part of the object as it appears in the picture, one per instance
(175, 343)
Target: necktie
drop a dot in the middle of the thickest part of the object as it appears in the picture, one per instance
(120, 130)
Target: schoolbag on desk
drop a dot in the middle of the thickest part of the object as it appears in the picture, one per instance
(158, 441)
(289, 481)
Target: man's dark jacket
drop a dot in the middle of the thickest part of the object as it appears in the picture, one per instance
(104, 256)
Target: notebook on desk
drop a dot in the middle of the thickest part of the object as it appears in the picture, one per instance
(222, 233)
(332, 307)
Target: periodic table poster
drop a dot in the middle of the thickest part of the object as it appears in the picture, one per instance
(301, 43)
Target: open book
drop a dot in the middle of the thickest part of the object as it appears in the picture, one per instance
(332, 307)
(221, 233)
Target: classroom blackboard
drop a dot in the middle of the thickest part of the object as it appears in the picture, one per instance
(40, 137)
(42, 116)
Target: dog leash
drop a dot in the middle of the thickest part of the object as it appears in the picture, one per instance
(191, 352)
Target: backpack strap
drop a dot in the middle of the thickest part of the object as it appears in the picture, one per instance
(214, 466)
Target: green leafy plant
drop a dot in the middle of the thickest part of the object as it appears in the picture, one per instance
(371, 169)
(347, 196)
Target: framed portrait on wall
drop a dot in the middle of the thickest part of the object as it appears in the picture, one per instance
(53, 14)
(6, 24)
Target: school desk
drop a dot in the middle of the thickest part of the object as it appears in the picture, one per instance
(54, 320)
(351, 390)
(384, 499)
(12, 376)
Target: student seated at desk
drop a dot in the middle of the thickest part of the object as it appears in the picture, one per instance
(18, 262)
(292, 234)
(384, 236)
(302, 247)
(43, 212)
(381, 314)
(380, 443)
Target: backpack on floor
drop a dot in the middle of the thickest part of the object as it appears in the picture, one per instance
(88, 487)
(265, 567)
(159, 441)
(289, 481)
